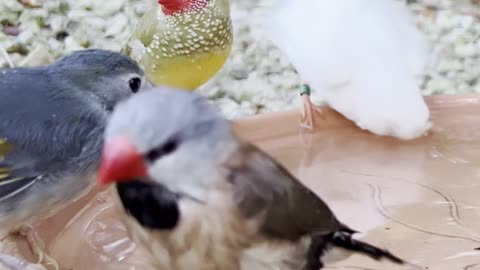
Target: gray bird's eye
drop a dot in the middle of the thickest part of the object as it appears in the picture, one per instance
(135, 84)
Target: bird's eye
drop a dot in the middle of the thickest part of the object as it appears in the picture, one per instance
(165, 149)
(135, 84)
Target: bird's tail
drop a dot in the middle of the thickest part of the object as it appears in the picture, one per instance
(343, 239)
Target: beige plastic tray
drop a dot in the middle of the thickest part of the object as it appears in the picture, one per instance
(419, 198)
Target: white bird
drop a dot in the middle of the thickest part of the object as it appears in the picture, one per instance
(364, 57)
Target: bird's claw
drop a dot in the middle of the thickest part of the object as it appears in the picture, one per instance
(308, 112)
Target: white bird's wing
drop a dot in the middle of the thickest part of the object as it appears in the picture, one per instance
(363, 56)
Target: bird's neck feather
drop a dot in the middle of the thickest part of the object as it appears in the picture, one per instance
(171, 7)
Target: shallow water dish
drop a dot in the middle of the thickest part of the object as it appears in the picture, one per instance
(419, 198)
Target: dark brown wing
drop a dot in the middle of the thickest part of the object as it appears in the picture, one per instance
(262, 185)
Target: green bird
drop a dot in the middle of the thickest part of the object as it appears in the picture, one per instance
(182, 43)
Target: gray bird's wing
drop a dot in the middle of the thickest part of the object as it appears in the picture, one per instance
(15, 173)
(44, 129)
(263, 186)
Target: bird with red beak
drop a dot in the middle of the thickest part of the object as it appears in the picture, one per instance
(196, 196)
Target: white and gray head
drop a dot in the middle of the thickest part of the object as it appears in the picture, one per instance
(169, 135)
(106, 75)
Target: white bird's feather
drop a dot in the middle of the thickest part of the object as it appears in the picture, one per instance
(364, 57)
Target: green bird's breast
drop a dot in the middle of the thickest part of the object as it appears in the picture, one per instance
(184, 50)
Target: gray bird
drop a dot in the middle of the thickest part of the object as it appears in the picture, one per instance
(196, 196)
(52, 120)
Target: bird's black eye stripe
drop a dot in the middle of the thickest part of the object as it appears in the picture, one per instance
(169, 147)
(165, 149)
(153, 155)
(135, 84)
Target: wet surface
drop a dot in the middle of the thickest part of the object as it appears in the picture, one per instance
(420, 199)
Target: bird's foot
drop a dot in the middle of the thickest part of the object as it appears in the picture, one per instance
(9, 262)
(36, 244)
(309, 109)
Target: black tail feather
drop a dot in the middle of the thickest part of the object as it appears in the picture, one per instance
(344, 240)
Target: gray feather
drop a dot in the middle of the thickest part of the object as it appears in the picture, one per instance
(54, 117)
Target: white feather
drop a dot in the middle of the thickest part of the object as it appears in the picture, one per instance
(364, 57)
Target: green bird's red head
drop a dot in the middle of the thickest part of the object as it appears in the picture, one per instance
(171, 7)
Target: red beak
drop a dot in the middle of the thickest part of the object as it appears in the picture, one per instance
(171, 6)
(120, 162)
